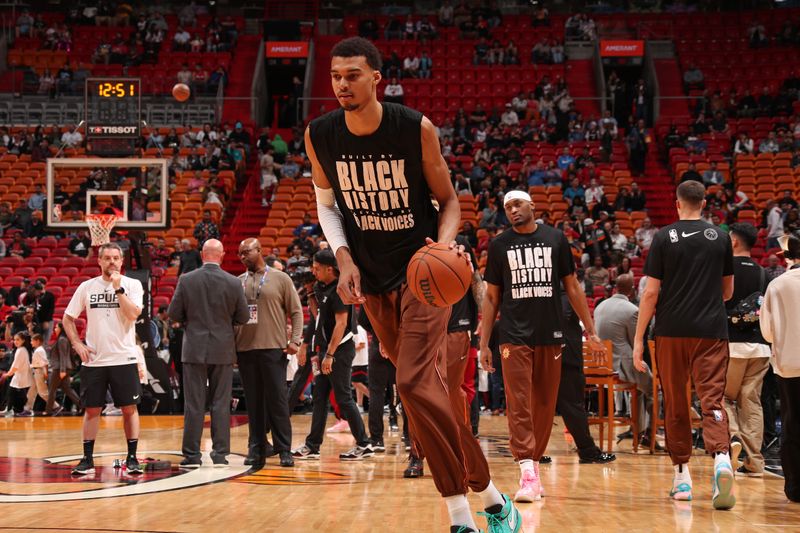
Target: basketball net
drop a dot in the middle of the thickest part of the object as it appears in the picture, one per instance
(100, 228)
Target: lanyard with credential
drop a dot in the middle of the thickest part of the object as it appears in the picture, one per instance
(260, 284)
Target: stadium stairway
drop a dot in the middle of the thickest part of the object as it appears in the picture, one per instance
(656, 182)
(240, 79)
(245, 221)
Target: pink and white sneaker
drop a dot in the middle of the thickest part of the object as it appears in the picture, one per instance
(530, 487)
(342, 426)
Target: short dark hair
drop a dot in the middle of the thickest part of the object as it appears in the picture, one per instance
(793, 246)
(746, 233)
(358, 46)
(692, 193)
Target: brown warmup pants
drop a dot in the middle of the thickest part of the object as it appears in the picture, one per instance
(531, 376)
(706, 361)
(413, 336)
(457, 353)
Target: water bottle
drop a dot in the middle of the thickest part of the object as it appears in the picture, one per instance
(315, 366)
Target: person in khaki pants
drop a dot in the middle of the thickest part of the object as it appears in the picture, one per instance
(749, 356)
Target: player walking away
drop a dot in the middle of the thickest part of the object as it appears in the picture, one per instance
(112, 303)
(523, 272)
(689, 277)
(375, 167)
(749, 353)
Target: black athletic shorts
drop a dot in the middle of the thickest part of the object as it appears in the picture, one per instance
(359, 374)
(121, 380)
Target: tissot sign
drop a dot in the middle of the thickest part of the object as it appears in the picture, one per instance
(290, 49)
(621, 48)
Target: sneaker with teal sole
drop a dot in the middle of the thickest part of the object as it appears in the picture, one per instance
(681, 492)
(722, 487)
(508, 520)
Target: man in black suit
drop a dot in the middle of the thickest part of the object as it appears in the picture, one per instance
(210, 302)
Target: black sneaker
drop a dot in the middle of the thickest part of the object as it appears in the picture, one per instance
(545, 460)
(85, 467)
(132, 466)
(415, 467)
(254, 459)
(357, 453)
(600, 458)
(287, 460)
(219, 462)
(743, 471)
(378, 446)
(304, 452)
(191, 463)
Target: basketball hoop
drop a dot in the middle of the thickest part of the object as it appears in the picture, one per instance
(100, 227)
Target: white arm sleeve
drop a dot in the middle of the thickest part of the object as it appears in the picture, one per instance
(330, 218)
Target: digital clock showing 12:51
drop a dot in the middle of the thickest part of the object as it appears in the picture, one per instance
(116, 89)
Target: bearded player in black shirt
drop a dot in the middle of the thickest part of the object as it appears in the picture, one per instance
(689, 277)
(525, 268)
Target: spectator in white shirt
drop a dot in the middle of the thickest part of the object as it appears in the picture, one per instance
(619, 242)
(744, 144)
(36, 201)
(71, 138)
(774, 224)
(509, 118)
(770, 144)
(594, 192)
(645, 234)
(411, 66)
(393, 92)
(185, 75)
(181, 40)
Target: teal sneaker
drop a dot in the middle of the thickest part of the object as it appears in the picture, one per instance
(508, 520)
(722, 487)
(681, 492)
(463, 529)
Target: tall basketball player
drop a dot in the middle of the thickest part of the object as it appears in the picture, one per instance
(375, 167)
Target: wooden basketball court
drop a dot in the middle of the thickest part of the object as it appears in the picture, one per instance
(38, 494)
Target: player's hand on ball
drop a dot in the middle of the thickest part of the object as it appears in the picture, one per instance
(459, 248)
(116, 279)
(486, 359)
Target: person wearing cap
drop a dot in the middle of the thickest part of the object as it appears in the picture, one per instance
(334, 337)
(524, 270)
(780, 313)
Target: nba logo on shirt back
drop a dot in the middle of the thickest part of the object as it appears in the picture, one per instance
(673, 235)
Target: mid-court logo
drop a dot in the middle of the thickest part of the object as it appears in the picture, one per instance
(375, 190)
(50, 479)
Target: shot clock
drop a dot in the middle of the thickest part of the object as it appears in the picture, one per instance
(113, 108)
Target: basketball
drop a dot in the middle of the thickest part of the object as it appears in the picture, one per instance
(181, 92)
(438, 276)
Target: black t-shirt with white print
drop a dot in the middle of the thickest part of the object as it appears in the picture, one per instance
(528, 268)
(748, 277)
(690, 257)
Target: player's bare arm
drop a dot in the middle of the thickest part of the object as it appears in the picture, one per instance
(491, 304)
(336, 337)
(72, 334)
(437, 175)
(577, 300)
(130, 310)
(647, 308)
(727, 288)
(349, 288)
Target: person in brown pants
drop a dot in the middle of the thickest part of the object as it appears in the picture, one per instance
(463, 320)
(689, 277)
(375, 167)
(524, 272)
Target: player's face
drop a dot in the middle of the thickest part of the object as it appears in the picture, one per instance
(519, 212)
(110, 261)
(354, 82)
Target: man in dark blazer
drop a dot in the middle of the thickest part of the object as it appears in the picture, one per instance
(210, 302)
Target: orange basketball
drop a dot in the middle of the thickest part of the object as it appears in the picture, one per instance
(181, 92)
(438, 276)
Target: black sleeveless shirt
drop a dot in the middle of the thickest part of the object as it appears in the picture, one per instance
(380, 188)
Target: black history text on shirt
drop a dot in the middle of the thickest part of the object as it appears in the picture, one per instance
(531, 270)
(375, 190)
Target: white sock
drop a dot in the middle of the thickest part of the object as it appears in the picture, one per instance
(682, 474)
(526, 465)
(491, 496)
(460, 513)
(721, 458)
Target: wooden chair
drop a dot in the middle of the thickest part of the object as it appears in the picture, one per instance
(600, 375)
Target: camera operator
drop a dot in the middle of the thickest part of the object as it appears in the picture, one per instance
(23, 319)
